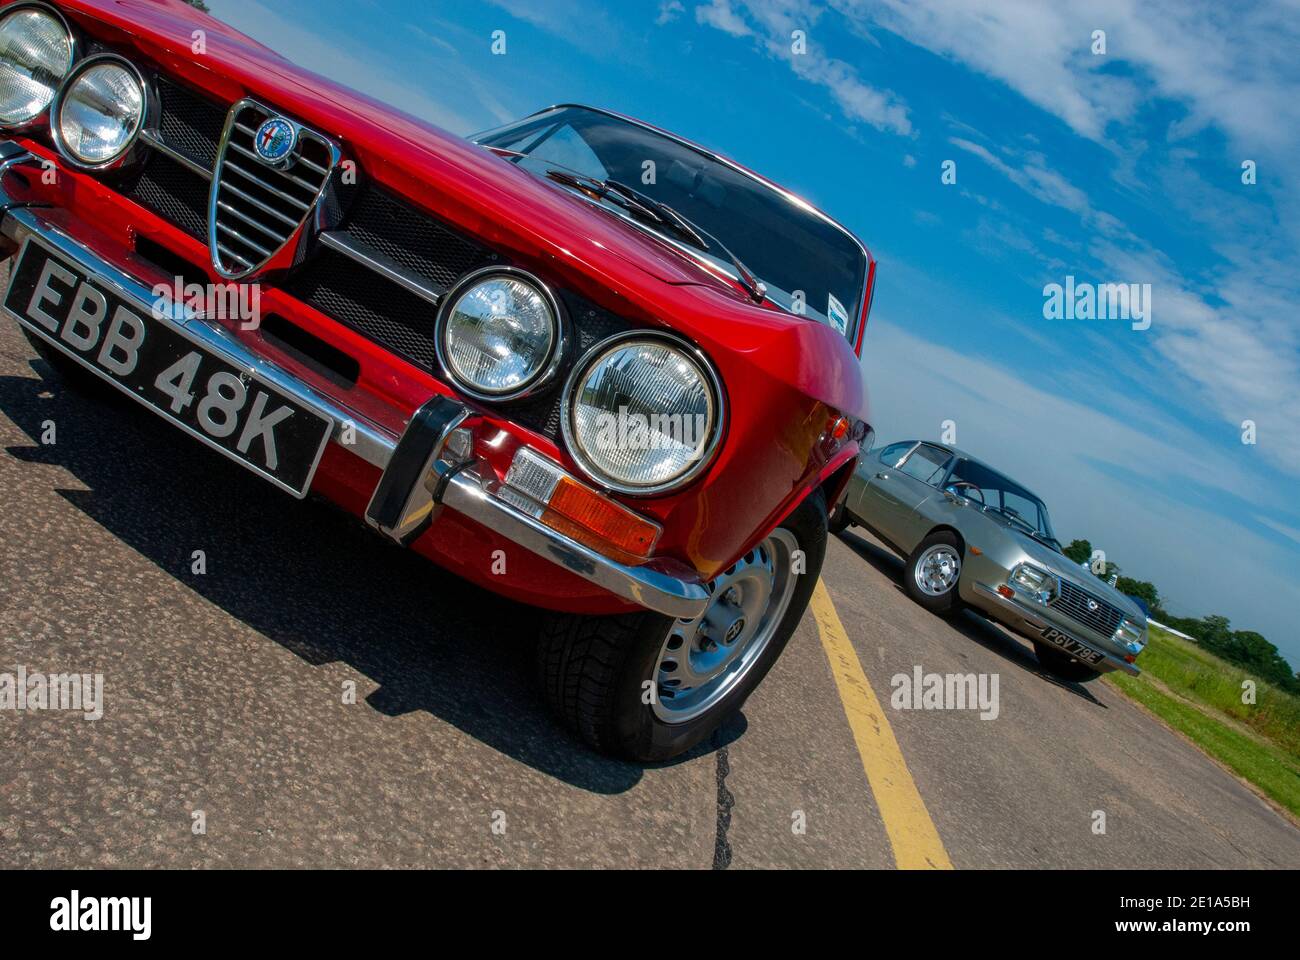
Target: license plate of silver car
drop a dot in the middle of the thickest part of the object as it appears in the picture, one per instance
(1073, 647)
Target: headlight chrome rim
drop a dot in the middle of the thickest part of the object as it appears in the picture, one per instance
(147, 106)
(41, 118)
(559, 339)
(594, 355)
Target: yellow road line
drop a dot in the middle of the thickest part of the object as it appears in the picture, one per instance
(911, 832)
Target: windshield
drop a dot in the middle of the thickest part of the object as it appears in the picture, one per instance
(1002, 496)
(809, 265)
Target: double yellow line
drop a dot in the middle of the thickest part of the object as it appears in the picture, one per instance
(912, 833)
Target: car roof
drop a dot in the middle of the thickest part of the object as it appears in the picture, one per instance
(963, 455)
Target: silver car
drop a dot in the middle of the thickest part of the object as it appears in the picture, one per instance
(971, 536)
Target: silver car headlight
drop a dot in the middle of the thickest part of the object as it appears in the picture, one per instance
(642, 413)
(99, 111)
(1131, 635)
(35, 55)
(499, 334)
(1037, 582)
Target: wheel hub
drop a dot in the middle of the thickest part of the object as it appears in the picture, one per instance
(703, 659)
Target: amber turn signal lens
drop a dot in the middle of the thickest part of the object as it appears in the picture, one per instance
(576, 510)
(610, 522)
(1006, 591)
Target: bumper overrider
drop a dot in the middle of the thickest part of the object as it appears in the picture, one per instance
(429, 467)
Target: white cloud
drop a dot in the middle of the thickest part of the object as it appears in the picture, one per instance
(721, 15)
(669, 11)
(776, 22)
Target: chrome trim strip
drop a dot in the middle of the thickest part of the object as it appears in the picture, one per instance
(1032, 616)
(342, 242)
(150, 138)
(664, 586)
(373, 444)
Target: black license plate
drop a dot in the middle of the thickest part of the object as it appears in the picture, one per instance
(231, 410)
(1073, 647)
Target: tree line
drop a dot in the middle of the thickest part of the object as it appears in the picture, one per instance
(1245, 648)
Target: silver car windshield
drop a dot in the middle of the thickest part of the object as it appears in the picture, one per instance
(809, 265)
(1000, 495)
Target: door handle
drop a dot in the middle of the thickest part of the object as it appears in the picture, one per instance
(882, 476)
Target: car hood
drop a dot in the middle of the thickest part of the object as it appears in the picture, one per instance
(1067, 569)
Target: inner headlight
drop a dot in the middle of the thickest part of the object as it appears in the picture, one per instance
(499, 336)
(1039, 583)
(99, 112)
(35, 54)
(642, 414)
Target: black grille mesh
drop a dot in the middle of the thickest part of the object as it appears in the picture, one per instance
(189, 123)
(413, 239)
(387, 313)
(173, 192)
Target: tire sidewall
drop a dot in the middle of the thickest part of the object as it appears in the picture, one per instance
(638, 731)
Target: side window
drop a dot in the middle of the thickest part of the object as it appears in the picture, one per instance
(894, 452)
(926, 464)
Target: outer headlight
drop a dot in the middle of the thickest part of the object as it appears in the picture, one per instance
(99, 111)
(35, 54)
(499, 334)
(642, 413)
(1131, 635)
(1041, 584)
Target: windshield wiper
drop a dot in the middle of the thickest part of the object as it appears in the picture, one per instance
(695, 234)
(638, 203)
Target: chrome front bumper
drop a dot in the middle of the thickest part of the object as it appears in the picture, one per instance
(661, 585)
(1027, 621)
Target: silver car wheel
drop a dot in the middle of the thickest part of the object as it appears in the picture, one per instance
(937, 570)
(704, 659)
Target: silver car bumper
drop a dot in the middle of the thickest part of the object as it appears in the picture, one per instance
(664, 586)
(1028, 622)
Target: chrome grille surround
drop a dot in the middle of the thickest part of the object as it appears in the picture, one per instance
(1073, 601)
(256, 209)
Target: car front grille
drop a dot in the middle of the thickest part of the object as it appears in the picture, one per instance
(259, 208)
(262, 208)
(1075, 602)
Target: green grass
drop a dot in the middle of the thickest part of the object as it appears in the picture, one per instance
(1200, 695)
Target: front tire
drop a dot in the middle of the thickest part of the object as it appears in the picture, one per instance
(933, 572)
(840, 519)
(648, 687)
(1062, 666)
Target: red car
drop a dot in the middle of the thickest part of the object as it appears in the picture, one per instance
(579, 361)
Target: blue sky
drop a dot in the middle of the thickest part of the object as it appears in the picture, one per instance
(1123, 167)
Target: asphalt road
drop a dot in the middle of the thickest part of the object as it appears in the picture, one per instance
(224, 694)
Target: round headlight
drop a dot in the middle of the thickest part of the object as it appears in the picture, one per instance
(499, 335)
(99, 112)
(35, 54)
(641, 415)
